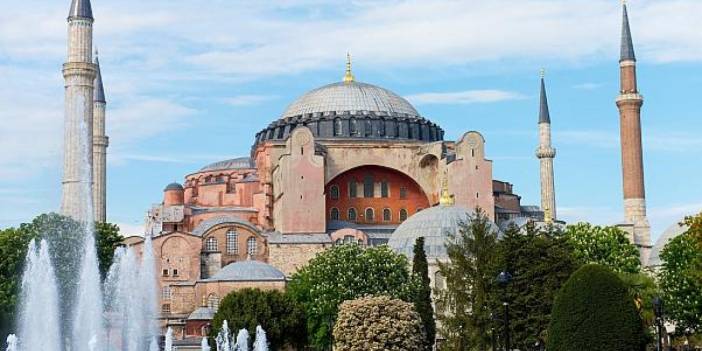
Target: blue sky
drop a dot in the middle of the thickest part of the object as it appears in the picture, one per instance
(190, 82)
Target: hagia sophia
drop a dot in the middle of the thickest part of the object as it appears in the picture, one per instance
(348, 162)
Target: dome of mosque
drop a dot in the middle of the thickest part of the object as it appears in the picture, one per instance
(235, 163)
(435, 224)
(669, 234)
(248, 270)
(173, 186)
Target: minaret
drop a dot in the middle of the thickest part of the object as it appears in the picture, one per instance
(629, 103)
(545, 153)
(79, 74)
(100, 143)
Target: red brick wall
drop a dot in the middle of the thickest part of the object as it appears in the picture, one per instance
(416, 199)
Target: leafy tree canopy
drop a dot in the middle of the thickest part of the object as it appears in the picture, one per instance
(346, 272)
(607, 246)
(680, 282)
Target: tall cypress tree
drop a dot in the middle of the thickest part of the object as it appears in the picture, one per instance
(422, 298)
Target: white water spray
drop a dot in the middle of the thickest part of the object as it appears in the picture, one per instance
(204, 345)
(242, 340)
(169, 340)
(261, 343)
(39, 326)
(223, 338)
(12, 343)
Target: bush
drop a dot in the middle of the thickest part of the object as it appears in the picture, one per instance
(593, 311)
(378, 323)
(281, 317)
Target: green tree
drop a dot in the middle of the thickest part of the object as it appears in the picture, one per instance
(594, 311)
(108, 239)
(462, 307)
(680, 282)
(422, 298)
(346, 272)
(281, 317)
(607, 246)
(378, 324)
(540, 260)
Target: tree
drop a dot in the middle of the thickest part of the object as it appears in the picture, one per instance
(608, 246)
(462, 307)
(108, 239)
(346, 272)
(422, 298)
(280, 316)
(680, 282)
(540, 260)
(593, 311)
(378, 324)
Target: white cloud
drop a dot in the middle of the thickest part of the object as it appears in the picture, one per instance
(127, 230)
(248, 100)
(464, 97)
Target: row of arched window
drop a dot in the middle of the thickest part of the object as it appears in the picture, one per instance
(381, 130)
(232, 247)
(351, 214)
(368, 189)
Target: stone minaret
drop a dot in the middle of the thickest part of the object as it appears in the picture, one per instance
(629, 103)
(100, 143)
(546, 154)
(79, 74)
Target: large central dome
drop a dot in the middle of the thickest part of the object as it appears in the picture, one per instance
(350, 96)
(353, 110)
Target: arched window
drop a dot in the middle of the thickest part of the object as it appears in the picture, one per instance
(349, 239)
(352, 214)
(370, 215)
(368, 186)
(403, 192)
(213, 302)
(337, 126)
(334, 216)
(166, 308)
(368, 128)
(338, 242)
(353, 191)
(354, 127)
(166, 293)
(403, 215)
(334, 192)
(211, 244)
(232, 242)
(381, 128)
(384, 189)
(251, 247)
(387, 215)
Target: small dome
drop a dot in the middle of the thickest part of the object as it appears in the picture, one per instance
(249, 270)
(434, 224)
(173, 186)
(669, 234)
(202, 314)
(235, 163)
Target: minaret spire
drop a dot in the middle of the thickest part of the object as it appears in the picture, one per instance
(100, 144)
(81, 9)
(629, 103)
(545, 153)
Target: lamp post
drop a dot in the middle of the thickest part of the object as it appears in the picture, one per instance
(503, 280)
(658, 311)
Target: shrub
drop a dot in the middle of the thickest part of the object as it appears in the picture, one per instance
(593, 311)
(378, 323)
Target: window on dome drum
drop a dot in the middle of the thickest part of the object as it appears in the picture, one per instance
(370, 214)
(384, 189)
(251, 246)
(381, 128)
(353, 126)
(353, 190)
(334, 216)
(337, 127)
(232, 242)
(368, 186)
(403, 192)
(352, 214)
(368, 128)
(419, 209)
(166, 308)
(211, 244)
(213, 302)
(387, 215)
(166, 293)
(334, 192)
(403, 215)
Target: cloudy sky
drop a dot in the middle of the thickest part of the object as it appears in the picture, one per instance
(190, 82)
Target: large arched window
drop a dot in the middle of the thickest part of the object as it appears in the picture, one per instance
(370, 215)
(334, 192)
(353, 126)
(349, 239)
(232, 242)
(337, 126)
(213, 302)
(353, 189)
(211, 244)
(334, 215)
(251, 247)
(384, 189)
(352, 214)
(387, 215)
(368, 186)
(403, 215)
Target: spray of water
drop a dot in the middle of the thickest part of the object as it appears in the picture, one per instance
(169, 340)
(204, 345)
(223, 338)
(39, 326)
(242, 340)
(12, 343)
(261, 343)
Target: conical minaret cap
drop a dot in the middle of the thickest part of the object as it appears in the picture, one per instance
(544, 116)
(99, 95)
(627, 45)
(80, 9)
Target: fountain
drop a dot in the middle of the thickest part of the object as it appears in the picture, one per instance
(261, 343)
(168, 345)
(12, 343)
(223, 340)
(204, 345)
(242, 340)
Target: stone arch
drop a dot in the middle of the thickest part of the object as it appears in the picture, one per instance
(330, 177)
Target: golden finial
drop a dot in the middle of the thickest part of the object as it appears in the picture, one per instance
(348, 77)
(446, 198)
(542, 73)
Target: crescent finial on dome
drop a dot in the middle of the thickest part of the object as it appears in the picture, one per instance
(348, 77)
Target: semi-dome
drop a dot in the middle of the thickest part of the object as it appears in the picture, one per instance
(669, 234)
(235, 163)
(352, 109)
(173, 186)
(435, 224)
(247, 271)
